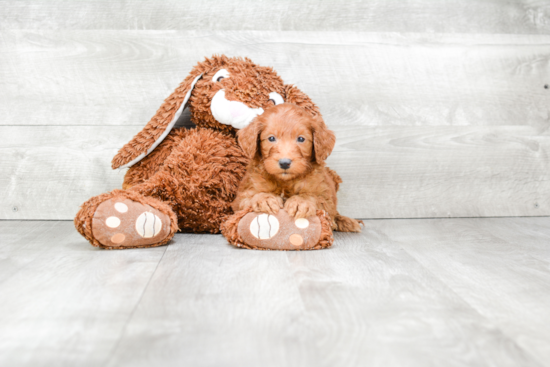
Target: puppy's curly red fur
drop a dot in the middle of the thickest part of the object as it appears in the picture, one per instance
(287, 147)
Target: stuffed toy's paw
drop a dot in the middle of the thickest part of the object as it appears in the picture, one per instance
(262, 231)
(129, 223)
(125, 219)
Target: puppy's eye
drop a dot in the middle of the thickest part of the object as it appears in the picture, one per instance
(271, 139)
(301, 139)
(221, 74)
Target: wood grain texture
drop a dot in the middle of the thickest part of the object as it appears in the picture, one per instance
(375, 79)
(384, 309)
(414, 172)
(443, 16)
(220, 306)
(388, 172)
(363, 302)
(65, 303)
(453, 292)
(486, 260)
(49, 171)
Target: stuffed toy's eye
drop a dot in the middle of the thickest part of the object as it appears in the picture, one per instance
(271, 139)
(222, 73)
(301, 139)
(276, 98)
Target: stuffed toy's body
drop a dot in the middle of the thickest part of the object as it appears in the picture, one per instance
(186, 179)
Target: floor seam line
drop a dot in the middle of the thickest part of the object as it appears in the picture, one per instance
(534, 358)
(363, 218)
(108, 359)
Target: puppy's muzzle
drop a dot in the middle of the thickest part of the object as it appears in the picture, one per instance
(284, 163)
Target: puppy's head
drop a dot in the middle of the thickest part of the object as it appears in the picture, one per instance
(287, 140)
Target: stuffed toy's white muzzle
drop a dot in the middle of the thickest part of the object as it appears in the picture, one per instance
(232, 113)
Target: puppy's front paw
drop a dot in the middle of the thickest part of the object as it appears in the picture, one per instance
(298, 207)
(266, 203)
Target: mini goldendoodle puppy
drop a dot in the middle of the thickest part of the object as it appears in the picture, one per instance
(288, 148)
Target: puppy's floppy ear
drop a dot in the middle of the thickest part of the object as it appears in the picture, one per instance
(323, 139)
(249, 137)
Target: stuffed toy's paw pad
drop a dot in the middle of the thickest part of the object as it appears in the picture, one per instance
(280, 231)
(123, 222)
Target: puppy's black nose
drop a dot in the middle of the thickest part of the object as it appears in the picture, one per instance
(284, 163)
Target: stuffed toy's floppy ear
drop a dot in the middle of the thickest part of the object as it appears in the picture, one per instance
(160, 125)
(249, 137)
(323, 139)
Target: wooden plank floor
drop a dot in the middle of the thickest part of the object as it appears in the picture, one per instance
(416, 292)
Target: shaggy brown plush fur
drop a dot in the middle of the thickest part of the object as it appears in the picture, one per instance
(214, 166)
(289, 133)
(248, 83)
(196, 173)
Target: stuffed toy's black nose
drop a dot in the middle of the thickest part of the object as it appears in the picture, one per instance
(284, 163)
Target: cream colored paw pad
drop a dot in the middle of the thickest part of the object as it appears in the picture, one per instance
(112, 222)
(118, 238)
(121, 207)
(296, 240)
(301, 223)
(279, 231)
(264, 226)
(148, 225)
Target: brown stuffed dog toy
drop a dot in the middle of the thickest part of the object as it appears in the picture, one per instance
(186, 179)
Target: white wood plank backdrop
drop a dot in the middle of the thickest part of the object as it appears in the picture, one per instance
(388, 172)
(441, 115)
(441, 16)
(122, 77)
